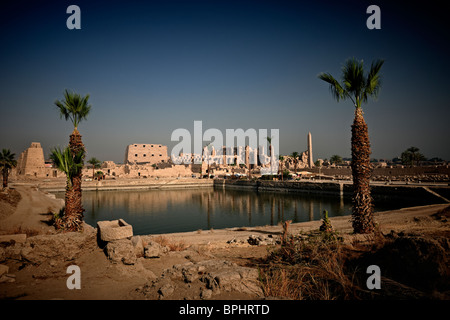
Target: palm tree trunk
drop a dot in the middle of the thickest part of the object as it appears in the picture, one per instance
(5, 178)
(362, 210)
(74, 221)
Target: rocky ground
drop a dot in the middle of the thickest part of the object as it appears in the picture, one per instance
(215, 264)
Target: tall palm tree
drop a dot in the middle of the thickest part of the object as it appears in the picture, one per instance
(281, 158)
(75, 108)
(71, 165)
(7, 162)
(358, 86)
(295, 155)
(95, 165)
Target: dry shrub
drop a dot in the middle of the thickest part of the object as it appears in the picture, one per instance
(173, 246)
(309, 269)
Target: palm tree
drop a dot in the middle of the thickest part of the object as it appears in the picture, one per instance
(336, 159)
(412, 156)
(95, 164)
(75, 108)
(357, 86)
(71, 165)
(281, 158)
(295, 155)
(7, 162)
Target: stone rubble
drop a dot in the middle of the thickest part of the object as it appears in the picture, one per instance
(211, 277)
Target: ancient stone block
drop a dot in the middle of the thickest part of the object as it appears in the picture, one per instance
(114, 230)
(3, 269)
(121, 251)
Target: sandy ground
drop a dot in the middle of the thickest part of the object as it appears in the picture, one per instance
(102, 279)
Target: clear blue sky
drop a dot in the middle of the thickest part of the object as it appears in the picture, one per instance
(151, 67)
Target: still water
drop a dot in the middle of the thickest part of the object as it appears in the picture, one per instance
(166, 211)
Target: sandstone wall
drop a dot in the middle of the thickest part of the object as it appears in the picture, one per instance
(31, 162)
(146, 153)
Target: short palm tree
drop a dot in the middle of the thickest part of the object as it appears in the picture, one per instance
(71, 165)
(336, 159)
(75, 108)
(358, 86)
(7, 162)
(95, 164)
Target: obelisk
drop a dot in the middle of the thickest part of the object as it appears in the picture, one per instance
(310, 157)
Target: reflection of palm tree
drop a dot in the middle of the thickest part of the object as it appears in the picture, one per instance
(295, 211)
(357, 87)
(272, 209)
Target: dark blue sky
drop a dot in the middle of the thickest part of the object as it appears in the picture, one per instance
(151, 67)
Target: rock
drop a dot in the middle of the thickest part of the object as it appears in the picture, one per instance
(3, 269)
(114, 230)
(256, 240)
(154, 250)
(2, 254)
(166, 290)
(8, 278)
(121, 251)
(64, 246)
(206, 294)
(138, 246)
(14, 238)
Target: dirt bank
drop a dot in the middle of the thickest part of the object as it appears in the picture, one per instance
(37, 267)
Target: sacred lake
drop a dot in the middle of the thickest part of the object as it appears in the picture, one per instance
(183, 210)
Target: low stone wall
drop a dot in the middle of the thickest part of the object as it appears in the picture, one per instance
(123, 184)
(394, 171)
(282, 186)
(339, 188)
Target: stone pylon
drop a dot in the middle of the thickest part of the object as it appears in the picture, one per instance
(310, 156)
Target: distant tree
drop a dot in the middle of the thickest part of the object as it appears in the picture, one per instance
(281, 158)
(336, 159)
(412, 156)
(318, 163)
(95, 164)
(296, 156)
(7, 162)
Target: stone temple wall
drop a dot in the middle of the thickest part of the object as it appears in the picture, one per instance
(31, 162)
(146, 153)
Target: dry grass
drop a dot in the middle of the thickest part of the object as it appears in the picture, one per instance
(173, 246)
(308, 269)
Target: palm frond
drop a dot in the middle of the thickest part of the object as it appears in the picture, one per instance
(7, 160)
(336, 89)
(353, 78)
(70, 164)
(74, 107)
(373, 82)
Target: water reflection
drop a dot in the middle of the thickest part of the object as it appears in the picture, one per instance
(163, 211)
